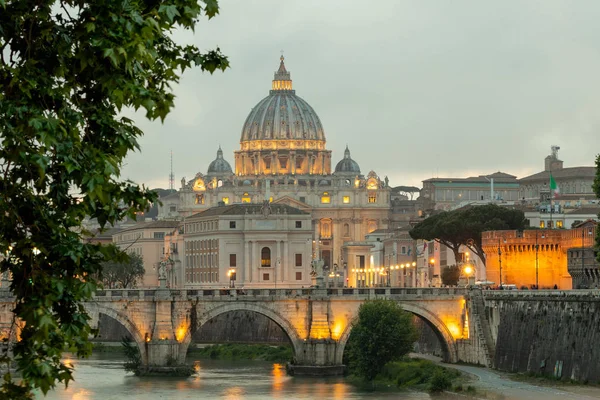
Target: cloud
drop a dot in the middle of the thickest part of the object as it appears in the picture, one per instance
(416, 89)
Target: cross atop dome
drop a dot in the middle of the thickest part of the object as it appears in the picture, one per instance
(281, 80)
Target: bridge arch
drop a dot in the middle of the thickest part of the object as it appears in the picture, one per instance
(441, 330)
(209, 314)
(94, 309)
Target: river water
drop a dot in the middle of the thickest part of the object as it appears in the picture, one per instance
(102, 377)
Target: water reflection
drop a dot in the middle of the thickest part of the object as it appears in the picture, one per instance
(279, 377)
(233, 393)
(103, 377)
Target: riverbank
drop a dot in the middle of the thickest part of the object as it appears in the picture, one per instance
(279, 354)
(496, 385)
(417, 375)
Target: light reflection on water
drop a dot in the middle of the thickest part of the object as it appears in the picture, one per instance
(102, 377)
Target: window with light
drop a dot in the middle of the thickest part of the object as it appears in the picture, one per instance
(325, 198)
(372, 197)
(346, 199)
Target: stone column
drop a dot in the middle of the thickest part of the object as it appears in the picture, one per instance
(287, 264)
(246, 264)
(255, 262)
(292, 162)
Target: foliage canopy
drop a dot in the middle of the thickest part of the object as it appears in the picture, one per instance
(450, 275)
(67, 70)
(123, 274)
(465, 225)
(383, 332)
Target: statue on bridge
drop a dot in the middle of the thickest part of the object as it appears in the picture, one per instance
(317, 272)
(163, 267)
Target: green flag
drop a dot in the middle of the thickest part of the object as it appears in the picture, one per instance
(554, 189)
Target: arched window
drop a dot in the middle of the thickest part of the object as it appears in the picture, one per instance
(346, 230)
(326, 229)
(265, 257)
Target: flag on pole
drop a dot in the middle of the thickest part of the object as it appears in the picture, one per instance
(554, 189)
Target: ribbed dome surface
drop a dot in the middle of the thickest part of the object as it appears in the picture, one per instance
(282, 115)
(219, 165)
(347, 164)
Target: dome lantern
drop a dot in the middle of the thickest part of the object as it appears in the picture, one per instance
(282, 80)
(347, 165)
(219, 166)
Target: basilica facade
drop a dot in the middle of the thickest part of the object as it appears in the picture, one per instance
(283, 159)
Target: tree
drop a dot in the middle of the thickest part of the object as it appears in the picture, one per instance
(465, 225)
(68, 68)
(383, 332)
(450, 275)
(123, 274)
(596, 187)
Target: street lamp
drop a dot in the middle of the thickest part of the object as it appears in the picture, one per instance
(431, 270)
(469, 270)
(335, 272)
(500, 259)
(589, 231)
(537, 264)
(232, 275)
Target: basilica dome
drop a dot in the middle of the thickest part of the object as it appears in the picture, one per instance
(282, 115)
(219, 165)
(347, 165)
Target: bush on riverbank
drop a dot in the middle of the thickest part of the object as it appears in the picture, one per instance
(244, 352)
(413, 374)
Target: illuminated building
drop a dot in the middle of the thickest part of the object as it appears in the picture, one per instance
(283, 158)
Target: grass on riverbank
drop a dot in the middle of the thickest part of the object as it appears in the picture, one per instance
(416, 374)
(262, 352)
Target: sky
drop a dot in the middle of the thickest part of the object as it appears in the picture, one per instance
(416, 89)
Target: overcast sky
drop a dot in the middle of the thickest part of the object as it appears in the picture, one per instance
(417, 89)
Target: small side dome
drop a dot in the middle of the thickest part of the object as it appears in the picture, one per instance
(347, 165)
(219, 166)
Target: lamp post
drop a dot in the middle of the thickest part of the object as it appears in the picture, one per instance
(589, 231)
(469, 271)
(431, 269)
(232, 275)
(335, 272)
(537, 264)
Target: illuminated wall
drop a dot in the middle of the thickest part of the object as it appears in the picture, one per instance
(519, 252)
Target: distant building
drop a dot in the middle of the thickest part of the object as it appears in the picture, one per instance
(447, 193)
(538, 255)
(247, 245)
(283, 158)
(581, 260)
(574, 183)
(146, 239)
(563, 216)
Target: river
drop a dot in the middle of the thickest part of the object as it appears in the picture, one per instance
(102, 377)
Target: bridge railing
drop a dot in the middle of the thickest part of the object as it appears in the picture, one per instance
(383, 292)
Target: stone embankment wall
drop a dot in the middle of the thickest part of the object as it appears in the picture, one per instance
(555, 335)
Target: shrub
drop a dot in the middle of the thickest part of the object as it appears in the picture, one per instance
(440, 382)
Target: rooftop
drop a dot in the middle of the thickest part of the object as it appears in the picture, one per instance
(165, 224)
(247, 208)
(573, 172)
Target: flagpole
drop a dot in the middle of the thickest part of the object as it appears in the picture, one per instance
(551, 205)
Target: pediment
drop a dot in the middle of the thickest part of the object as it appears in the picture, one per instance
(290, 201)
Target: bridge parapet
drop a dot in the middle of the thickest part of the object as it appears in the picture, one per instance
(542, 295)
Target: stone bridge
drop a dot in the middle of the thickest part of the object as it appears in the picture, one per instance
(317, 321)
(504, 329)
